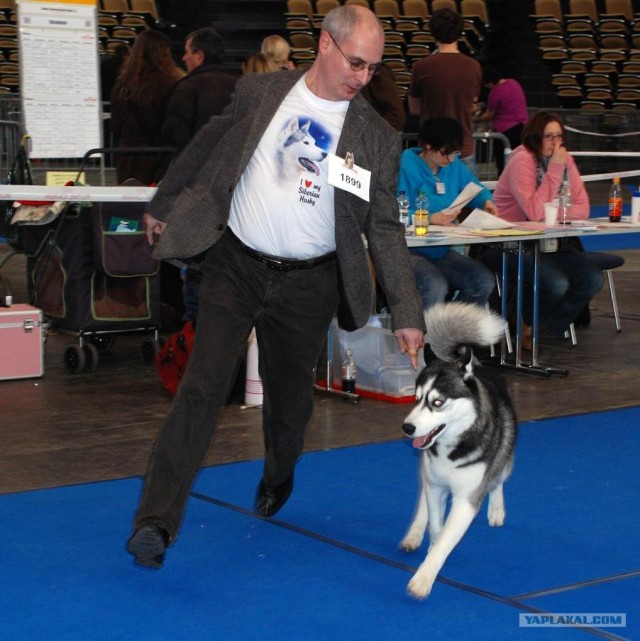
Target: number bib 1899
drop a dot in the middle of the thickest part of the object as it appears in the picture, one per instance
(353, 179)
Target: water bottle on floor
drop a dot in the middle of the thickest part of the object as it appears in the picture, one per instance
(349, 372)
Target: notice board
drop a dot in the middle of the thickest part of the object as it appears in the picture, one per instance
(60, 85)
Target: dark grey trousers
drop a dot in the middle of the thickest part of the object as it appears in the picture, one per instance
(291, 312)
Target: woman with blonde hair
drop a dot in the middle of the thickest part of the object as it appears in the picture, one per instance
(277, 50)
(138, 103)
(258, 63)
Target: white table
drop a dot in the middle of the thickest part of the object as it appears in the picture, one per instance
(450, 236)
(522, 232)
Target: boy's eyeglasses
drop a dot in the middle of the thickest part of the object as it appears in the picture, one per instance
(450, 156)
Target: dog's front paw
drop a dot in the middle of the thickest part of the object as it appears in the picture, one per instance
(496, 517)
(420, 586)
(411, 542)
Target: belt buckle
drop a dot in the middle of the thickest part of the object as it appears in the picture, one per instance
(274, 263)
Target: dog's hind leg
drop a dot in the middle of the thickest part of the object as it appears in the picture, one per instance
(457, 523)
(415, 534)
(496, 512)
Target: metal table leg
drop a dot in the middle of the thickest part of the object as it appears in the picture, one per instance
(532, 367)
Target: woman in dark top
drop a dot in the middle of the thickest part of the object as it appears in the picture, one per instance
(138, 104)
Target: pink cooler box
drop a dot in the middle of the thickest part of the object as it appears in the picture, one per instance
(21, 343)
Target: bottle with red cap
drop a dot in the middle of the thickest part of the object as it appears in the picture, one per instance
(615, 201)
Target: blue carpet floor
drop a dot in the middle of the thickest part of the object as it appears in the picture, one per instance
(328, 566)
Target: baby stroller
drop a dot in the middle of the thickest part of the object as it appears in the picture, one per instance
(93, 275)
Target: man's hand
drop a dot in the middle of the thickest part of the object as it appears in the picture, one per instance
(439, 218)
(410, 340)
(153, 228)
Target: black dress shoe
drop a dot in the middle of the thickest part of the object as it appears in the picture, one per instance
(270, 498)
(148, 544)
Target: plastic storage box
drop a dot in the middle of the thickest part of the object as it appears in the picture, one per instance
(383, 372)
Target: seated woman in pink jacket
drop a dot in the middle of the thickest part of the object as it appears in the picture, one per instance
(533, 176)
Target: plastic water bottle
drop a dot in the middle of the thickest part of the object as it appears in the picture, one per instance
(403, 209)
(615, 201)
(421, 215)
(564, 202)
(567, 195)
(422, 203)
(349, 372)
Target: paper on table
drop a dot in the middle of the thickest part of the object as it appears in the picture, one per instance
(480, 219)
(463, 198)
(582, 225)
(512, 231)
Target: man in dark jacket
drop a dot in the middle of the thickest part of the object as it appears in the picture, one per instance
(241, 177)
(204, 92)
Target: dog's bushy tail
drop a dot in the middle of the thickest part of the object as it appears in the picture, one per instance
(453, 325)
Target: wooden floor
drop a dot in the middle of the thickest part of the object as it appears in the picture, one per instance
(74, 428)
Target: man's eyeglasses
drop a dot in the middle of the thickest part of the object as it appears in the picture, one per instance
(551, 137)
(372, 70)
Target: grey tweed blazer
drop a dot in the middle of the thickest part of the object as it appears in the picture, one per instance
(195, 196)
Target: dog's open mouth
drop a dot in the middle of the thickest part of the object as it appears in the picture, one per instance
(424, 442)
(309, 165)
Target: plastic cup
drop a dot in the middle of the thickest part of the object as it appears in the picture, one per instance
(420, 223)
(253, 392)
(550, 214)
(635, 207)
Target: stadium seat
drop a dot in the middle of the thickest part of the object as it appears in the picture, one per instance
(444, 4)
(569, 97)
(115, 6)
(300, 7)
(549, 8)
(146, 7)
(324, 6)
(619, 7)
(415, 9)
(586, 8)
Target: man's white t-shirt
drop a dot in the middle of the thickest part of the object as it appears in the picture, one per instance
(283, 203)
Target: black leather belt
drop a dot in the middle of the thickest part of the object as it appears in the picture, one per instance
(278, 263)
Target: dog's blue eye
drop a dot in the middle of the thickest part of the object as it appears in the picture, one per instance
(438, 402)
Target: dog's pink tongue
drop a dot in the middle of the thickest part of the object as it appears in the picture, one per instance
(421, 441)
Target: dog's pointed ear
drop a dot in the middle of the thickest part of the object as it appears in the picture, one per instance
(467, 363)
(290, 127)
(428, 354)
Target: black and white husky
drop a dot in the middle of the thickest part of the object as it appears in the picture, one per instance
(465, 424)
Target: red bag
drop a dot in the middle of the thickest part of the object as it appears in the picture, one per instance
(171, 361)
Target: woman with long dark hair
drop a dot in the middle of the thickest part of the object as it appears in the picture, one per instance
(138, 104)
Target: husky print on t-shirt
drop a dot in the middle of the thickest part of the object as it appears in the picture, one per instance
(300, 155)
(283, 204)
